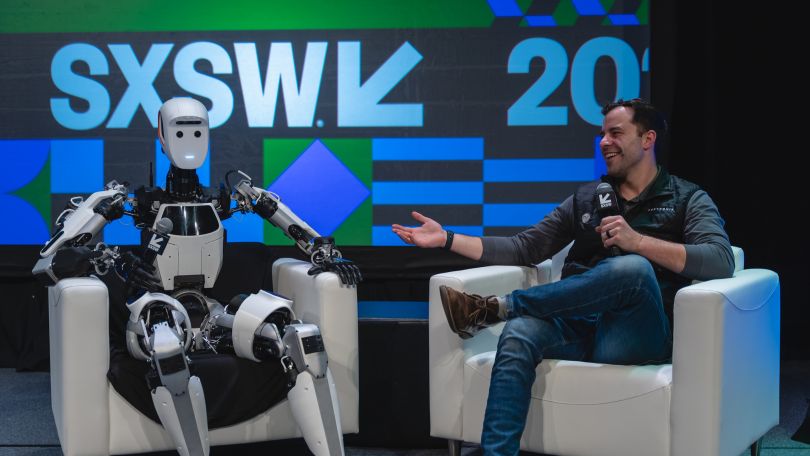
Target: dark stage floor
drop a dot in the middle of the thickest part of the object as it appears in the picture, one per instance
(27, 427)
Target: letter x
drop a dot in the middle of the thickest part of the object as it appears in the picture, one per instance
(140, 78)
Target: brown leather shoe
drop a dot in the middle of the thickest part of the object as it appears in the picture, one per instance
(468, 313)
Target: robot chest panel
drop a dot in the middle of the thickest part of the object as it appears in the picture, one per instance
(193, 255)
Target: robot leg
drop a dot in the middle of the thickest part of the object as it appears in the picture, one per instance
(159, 331)
(256, 323)
(313, 399)
(179, 400)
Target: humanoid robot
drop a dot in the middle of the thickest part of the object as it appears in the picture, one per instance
(182, 258)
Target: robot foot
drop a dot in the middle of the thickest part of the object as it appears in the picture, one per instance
(184, 418)
(315, 408)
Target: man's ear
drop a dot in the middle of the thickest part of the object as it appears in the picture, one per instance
(648, 139)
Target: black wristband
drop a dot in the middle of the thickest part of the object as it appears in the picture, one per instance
(449, 242)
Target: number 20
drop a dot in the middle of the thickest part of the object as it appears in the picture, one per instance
(527, 110)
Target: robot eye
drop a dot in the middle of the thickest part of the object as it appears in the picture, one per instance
(179, 134)
(197, 134)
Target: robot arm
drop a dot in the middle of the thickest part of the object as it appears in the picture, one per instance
(65, 254)
(85, 218)
(269, 206)
(321, 250)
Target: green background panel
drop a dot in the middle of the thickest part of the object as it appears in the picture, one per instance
(37, 192)
(565, 14)
(356, 155)
(54, 16)
(279, 154)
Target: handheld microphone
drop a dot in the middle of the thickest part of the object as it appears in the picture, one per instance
(158, 241)
(607, 204)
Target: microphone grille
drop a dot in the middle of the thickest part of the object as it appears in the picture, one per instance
(164, 226)
(604, 187)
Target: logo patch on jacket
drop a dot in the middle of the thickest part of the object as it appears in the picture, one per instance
(661, 209)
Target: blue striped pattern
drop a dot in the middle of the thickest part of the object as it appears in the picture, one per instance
(428, 192)
(382, 235)
(541, 21)
(427, 149)
(515, 214)
(244, 228)
(539, 170)
(393, 309)
(623, 19)
(122, 232)
(505, 8)
(589, 7)
(77, 165)
(599, 165)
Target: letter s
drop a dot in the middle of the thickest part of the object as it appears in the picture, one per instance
(79, 86)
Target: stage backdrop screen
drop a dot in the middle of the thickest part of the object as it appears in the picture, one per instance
(483, 114)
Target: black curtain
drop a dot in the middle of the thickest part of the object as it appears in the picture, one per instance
(728, 76)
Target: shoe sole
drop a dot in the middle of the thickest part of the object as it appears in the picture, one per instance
(448, 314)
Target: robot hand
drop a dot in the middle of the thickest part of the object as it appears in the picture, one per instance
(111, 208)
(138, 274)
(74, 261)
(326, 258)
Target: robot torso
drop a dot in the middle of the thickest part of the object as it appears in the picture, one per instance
(193, 255)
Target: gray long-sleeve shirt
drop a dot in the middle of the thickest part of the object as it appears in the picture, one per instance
(708, 251)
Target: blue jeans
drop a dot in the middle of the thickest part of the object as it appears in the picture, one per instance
(611, 314)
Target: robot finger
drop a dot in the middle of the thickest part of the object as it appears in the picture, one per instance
(337, 269)
(355, 274)
(358, 276)
(345, 275)
(347, 271)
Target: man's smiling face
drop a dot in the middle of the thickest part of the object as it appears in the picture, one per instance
(622, 143)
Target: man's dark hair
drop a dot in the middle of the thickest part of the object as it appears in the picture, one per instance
(645, 116)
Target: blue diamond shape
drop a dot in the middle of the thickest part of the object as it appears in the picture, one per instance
(320, 189)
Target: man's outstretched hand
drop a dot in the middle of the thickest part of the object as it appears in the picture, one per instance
(430, 234)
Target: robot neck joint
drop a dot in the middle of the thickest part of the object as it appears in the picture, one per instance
(182, 184)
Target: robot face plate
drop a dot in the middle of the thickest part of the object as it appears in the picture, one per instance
(183, 132)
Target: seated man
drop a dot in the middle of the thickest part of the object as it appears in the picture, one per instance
(614, 302)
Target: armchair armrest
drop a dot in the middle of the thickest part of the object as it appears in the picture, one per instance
(322, 300)
(78, 314)
(725, 365)
(448, 351)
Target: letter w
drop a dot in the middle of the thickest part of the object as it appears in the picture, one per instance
(260, 99)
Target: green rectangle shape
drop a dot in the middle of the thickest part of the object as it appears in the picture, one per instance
(354, 153)
(58, 16)
(356, 229)
(37, 192)
(279, 154)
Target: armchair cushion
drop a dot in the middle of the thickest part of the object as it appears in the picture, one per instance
(574, 405)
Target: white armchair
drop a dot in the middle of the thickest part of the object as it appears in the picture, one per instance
(92, 418)
(717, 398)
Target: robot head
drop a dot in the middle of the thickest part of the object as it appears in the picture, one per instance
(183, 132)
